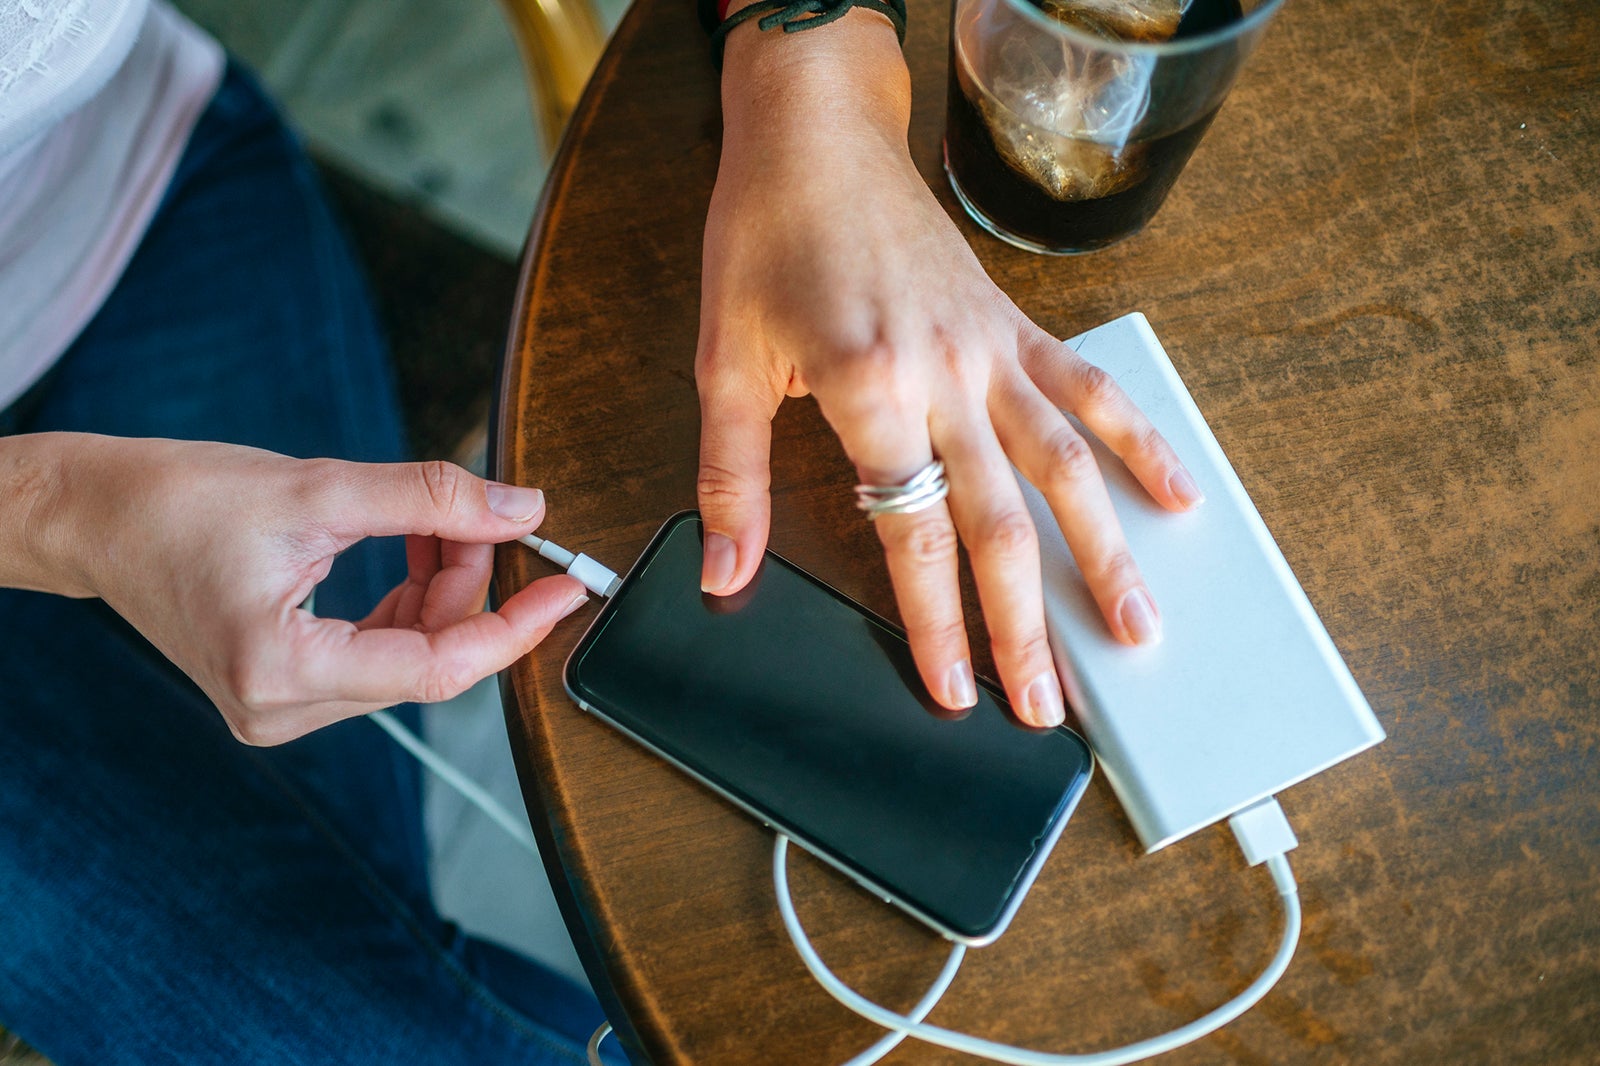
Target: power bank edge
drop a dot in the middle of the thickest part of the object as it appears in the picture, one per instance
(1157, 805)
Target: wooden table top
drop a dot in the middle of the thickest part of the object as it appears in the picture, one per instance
(1380, 278)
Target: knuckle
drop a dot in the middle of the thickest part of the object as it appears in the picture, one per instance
(880, 384)
(1028, 651)
(444, 682)
(317, 481)
(263, 731)
(241, 726)
(970, 363)
(251, 685)
(928, 542)
(717, 484)
(721, 377)
(316, 473)
(866, 374)
(1117, 571)
(709, 359)
(253, 702)
(939, 633)
(260, 696)
(1097, 388)
(880, 361)
(1148, 441)
(1069, 461)
(443, 482)
(1010, 535)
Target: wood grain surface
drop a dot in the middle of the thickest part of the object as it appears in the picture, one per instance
(1380, 278)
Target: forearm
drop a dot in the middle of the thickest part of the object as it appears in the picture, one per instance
(35, 550)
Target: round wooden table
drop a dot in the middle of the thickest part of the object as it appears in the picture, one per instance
(1380, 278)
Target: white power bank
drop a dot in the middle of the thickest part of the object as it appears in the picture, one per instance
(1245, 694)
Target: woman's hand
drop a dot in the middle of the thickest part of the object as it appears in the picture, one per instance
(209, 550)
(830, 269)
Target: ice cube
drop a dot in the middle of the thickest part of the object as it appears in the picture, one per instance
(1063, 113)
(1066, 88)
(1123, 20)
(1065, 168)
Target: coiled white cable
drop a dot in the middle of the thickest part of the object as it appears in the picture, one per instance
(1277, 865)
(1263, 832)
(930, 999)
(884, 1044)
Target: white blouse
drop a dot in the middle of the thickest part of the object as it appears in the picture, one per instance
(97, 100)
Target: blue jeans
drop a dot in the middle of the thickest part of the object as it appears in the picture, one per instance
(166, 893)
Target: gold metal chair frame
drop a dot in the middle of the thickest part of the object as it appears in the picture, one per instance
(560, 41)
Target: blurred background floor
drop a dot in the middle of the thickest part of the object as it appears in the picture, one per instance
(420, 114)
(423, 99)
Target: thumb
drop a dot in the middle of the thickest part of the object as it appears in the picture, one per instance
(732, 487)
(433, 498)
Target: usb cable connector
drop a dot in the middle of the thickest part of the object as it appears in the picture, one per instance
(597, 578)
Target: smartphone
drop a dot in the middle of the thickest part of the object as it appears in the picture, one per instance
(806, 710)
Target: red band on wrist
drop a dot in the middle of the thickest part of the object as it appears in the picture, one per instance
(722, 9)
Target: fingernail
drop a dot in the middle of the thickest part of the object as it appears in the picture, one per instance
(577, 601)
(1182, 485)
(513, 502)
(960, 689)
(1139, 617)
(1042, 703)
(721, 559)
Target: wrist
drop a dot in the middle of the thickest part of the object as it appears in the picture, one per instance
(847, 78)
(37, 533)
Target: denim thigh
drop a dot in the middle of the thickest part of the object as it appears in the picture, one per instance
(166, 893)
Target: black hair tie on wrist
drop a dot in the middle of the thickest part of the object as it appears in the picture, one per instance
(797, 15)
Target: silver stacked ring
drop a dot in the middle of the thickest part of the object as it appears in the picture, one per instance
(924, 489)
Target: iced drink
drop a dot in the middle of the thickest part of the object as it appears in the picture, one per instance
(1069, 141)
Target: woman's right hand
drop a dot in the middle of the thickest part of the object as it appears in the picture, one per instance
(831, 269)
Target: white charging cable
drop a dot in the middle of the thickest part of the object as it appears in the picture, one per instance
(885, 1044)
(474, 793)
(1264, 835)
(594, 1044)
(930, 999)
(598, 580)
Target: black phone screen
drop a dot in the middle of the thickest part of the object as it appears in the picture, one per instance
(802, 706)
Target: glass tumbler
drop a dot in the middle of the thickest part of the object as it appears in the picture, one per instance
(1069, 120)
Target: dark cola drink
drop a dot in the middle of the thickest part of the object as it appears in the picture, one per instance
(1079, 190)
